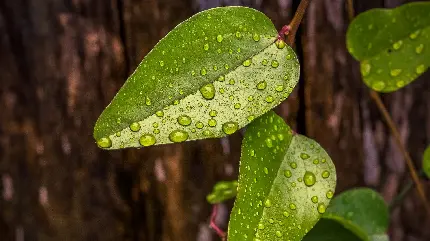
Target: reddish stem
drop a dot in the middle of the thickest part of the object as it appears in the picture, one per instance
(213, 225)
(285, 30)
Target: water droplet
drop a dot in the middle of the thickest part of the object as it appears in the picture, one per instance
(208, 91)
(397, 45)
(250, 98)
(213, 113)
(365, 68)
(304, 156)
(230, 127)
(215, 67)
(329, 194)
(147, 140)
(104, 142)
(155, 125)
(260, 226)
(199, 125)
(178, 136)
(419, 49)
(226, 66)
(219, 38)
(161, 63)
(184, 120)
(378, 85)
(286, 214)
(256, 37)
(275, 63)
(269, 142)
(321, 208)
(212, 122)
(314, 199)
(238, 35)
(250, 118)
(247, 63)
(266, 170)
(264, 62)
(261, 85)
(279, 88)
(237, 106)
(134, 126)
(269, 99)
(278, 233)
(395, 72)
(400, 83)
(309, 178)
(206, 47)
(156, 131)
(221, 78)
(293, 165)
(316, 161)
(148, 101)
(118, 134)
(159, 113)
(323, 160)
(292, 206)
(267, 203)
(207, 133)
(415, 34)
(203, 72)
(287, 173)
(231, 82)
(280, 44)
(325, 174)
(420, 69)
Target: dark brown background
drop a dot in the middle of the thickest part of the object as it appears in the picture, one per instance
(61, 62)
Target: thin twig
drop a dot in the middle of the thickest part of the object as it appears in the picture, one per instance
(297, 19)
(213, 224)
(404, 192)
(394, 131)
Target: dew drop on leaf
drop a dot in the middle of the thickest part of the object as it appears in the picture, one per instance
(262, 85)
(292, 206)
(420, 69)
(206, 47)
(178, 136)
(325, 174)
(304, 156)
(135, 126)
(293, 165)
(229, 127)
(287, 173)
(199, 125)
(267, 203)
(159, 113)
(309, 178)
(314, 199)
(321, 208)
(219, 38)
(269, 99)
(104, 142)
(329, 194)
(184, 120)
(395, 72)
(203, 72)
(147, 140)
(275, 63)
(378, 85)
(397, 45)
(213, 113)
(208, 91)
(266, 171)
(365, 68)
(419, 49)
(247, 63)
(212, 122)
(256, 37)
(280, 44)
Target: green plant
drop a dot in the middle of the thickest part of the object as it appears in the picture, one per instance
(226, 68)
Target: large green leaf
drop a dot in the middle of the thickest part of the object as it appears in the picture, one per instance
(393, 45)
(362, 211)
(330, 230)
(222, 191)
(426, 162)
(285, 183)
(210, 76)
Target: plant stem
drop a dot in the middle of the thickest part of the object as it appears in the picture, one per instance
(297, 19)
(213, 224)
(394, 131)
(403, 193)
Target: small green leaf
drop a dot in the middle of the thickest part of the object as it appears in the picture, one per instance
(222, 191)
(362, 211)
(393, 45)
(330, 230)
(210, 76)
(426, 162)
(285, 183)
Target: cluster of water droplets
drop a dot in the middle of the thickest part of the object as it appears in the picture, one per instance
(297, 183)
(228, 102)
(413, 50)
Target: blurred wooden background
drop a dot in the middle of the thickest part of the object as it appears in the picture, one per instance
(61, 62)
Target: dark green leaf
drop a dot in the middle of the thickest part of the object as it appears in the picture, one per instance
(426, 162)
(222, 191)
(209, 77)
(330, 230)
(393, 45)
(285, 183)
(362, 211)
